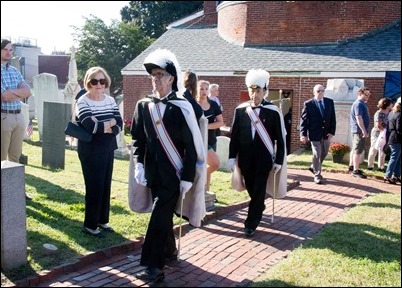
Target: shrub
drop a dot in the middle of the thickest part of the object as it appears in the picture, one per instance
(337, 148)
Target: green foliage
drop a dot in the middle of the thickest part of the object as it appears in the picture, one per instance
(154, 16)
(111, 47)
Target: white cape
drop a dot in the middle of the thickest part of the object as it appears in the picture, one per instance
(280, 189)
(140, 197)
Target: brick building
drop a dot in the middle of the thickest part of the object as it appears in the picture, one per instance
(300, 43)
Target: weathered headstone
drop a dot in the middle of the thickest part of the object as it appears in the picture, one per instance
(13, 216)
(46, 88)
(122, 150)
(55, 118)
(222, 149)
(344, 93)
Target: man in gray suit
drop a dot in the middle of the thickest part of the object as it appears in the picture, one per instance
(318, 125)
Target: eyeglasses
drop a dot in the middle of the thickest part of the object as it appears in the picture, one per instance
(159, 75)
(367, 94)
(321, 90)
(95, 82)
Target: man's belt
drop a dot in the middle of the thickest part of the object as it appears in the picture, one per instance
(18, 111)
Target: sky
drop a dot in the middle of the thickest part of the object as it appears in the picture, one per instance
(48, 24)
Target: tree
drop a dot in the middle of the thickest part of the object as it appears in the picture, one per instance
(154, 16)
(110, 47)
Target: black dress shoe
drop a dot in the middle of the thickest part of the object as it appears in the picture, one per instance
(311, 170)
(151, 274)
(249, 232)
(98, 234)
(105, 227)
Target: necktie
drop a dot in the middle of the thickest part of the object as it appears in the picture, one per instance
(321, 107)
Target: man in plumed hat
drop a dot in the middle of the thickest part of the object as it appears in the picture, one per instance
(167, 154)
(257, 148)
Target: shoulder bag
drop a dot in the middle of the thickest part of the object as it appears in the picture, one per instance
(73, 129)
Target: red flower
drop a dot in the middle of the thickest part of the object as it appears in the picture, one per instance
(337, 148)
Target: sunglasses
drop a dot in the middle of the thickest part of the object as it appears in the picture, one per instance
(159, 75)
(320, 91)
(95, 82)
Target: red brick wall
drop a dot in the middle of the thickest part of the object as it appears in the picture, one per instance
(230, 88)
(307, 22)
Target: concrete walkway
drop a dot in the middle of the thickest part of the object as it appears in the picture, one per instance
(218, 254)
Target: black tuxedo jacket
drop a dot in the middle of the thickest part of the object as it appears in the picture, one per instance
(252, 153)
(313, 124)
(149, 151)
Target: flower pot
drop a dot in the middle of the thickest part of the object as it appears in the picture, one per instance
(337, 158)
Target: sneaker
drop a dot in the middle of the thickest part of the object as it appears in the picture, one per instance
(28, 197)
(359, 174)
(317, 180)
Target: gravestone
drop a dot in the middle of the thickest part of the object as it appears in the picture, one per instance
(46, 88)
(222, 149)
(13, 216)
(344, 93)
(122, 150)
(55, 118)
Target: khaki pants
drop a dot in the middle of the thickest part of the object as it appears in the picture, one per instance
(12, 136)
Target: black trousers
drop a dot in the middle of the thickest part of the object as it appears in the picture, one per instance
(159, 239)
(97, 169)
(256, 184)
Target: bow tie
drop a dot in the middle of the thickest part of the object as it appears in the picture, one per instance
(171, 96)
(255, 107)
(157, 100)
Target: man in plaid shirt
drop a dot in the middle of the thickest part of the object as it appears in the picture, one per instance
(13, 90)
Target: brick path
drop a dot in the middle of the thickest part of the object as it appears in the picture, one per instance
(218, 254)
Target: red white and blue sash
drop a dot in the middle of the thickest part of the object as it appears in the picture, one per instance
(256, 122)
(164, 138)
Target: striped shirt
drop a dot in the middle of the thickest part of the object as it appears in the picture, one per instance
(11, 78)
(103, 110)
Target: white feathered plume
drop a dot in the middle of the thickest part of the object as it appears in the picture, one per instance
(257, 78)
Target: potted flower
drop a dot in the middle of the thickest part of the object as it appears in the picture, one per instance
(338, 150)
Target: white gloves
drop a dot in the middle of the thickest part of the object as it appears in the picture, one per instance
(232, 164)
(139, 174)
(184, 187)
(276, 168)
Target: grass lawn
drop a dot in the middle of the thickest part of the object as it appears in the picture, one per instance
(56, 215)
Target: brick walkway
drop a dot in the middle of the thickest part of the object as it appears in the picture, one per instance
(218, 254)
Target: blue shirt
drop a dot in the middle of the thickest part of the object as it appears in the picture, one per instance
(11, 78)
(359, 108)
